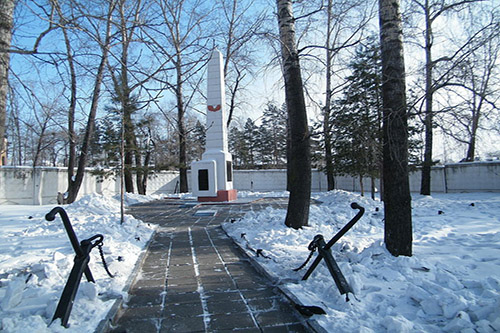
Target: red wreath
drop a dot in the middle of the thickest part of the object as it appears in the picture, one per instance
(214, 109)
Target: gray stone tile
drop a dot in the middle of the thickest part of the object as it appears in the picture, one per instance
(212, 270)
(241, 269)
(263, 304)
(180, 324)
(181, 261)
(218, 287)
(140, 313)
(135, 326)
(231, 321)
(193, 309)
(245, 284)
(275, 317)
(227, 307)
(146, 283)
(223, 279)
(146, 291)
(144, 299)
(240, 330)
(178, 268)
(222, 296)
(155, 257)
(181, 288)
(258, 293)
(180, 280)
(181, 298)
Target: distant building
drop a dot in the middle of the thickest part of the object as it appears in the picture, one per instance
(3, 153)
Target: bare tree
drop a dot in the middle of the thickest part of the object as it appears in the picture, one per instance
(104, 45)
(181, 38)
(128, 21)
(72, 137)
(15, 131)
(6, 24)
(473, 99)
(397, 199)
(299, 170)
(432, 10)
(43, 116)
(240, 26)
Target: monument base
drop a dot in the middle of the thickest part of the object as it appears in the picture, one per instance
(222, 195)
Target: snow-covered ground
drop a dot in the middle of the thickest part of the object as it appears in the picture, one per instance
(36, 258)
(450, 284)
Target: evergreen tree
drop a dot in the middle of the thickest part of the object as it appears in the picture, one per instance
(357, 131)
(273, 130)
(251, 144)
(196, 140)
(236, 146)
(109, 141)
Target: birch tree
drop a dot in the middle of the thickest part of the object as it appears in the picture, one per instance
(397, 199)
(299, 159)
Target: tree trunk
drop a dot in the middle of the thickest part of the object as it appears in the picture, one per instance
(145, 175)
(127, 105)
(361, 185)
(372, 187)
(71, 110)
(425, 186)
(6, 25)
(381, 178)
(330, 177)
(129, 142)
(139, 173)
(299, 164)
(328, 100)
(397, 199)
(471, 146)
(181, 127)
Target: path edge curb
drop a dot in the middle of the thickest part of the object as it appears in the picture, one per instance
(105, 324)
(312, 323)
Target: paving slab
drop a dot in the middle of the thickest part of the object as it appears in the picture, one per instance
(195, 279)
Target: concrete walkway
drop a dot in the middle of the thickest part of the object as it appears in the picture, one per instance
(194, 279)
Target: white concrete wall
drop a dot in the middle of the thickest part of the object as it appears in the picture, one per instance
(40, 185)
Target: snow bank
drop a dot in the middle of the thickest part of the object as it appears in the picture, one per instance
(269, 194)
(450, 284)
(36, 258)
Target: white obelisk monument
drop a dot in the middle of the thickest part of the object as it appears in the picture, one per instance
(212, 177)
